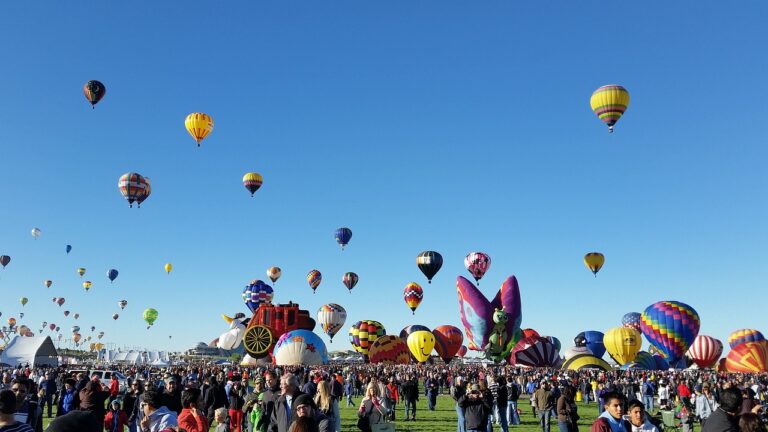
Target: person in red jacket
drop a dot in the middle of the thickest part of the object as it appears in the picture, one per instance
(191, 418)
(114, 389)
(116, 418)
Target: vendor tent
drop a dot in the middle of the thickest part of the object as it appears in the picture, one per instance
(35, 351)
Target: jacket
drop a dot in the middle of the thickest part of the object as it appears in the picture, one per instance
(162, 418)
(279, 421)
(187, 421)
(115, 421)
(720, 421)
(602, 425)
(476, 412)
(375, 415)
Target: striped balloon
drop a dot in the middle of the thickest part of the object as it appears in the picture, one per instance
(314, 278)
(133, 187)
(670, 326)
(462, 351)
(744, 335)
(413, 294)
(389, 349)
(363, 333)
(705, 351)
(610, 102)
(448, 340)
(535, 352)
(477, 263)
(350, 280)
(407, 330)
(331, 318)
(749, 357)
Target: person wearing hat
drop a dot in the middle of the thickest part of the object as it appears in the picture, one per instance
(172, 394)
(116, 419)
(306, 408)
(476, 410)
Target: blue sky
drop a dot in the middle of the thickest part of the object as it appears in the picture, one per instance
(447, 126)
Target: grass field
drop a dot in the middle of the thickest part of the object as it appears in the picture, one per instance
(443, 419)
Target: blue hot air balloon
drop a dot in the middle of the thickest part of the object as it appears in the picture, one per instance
(343, 236)
(68, 248)
(256, 293)
(592, 340)
(112, 275)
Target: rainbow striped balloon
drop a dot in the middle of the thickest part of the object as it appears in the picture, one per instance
(749, 357)
(670, 326)
(744, 335)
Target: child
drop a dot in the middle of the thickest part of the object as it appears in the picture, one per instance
(116, 419)
(686, 420)
(256, 419)
(220, 415)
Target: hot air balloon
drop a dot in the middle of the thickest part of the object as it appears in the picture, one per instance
(76, 337)
(150, 315)
(87, 285)
(748, 357)
(593, 340)
(21, 315)
(257, 293)
(93, 328)
(4, 260)
(75, 329)
(122, 304)
(331, 318)
(274, 273)
(554, 341)
(58, 328)
(36, 233)
(622, 344)
(477, 263)
(314, 278)
(68, 248)
(66, 313)
(585, 361)
(199, 125)
(744, 335)
(115, 316)
(76, 315)
(413, 294)
(609, 103)
(60, 301)
(59, 337)
(168, 267)
(23, 330)
(343, 235)
(462, 351)
(23, 301)
(477, 315)
(300, 347)
(44, 324)
(576, 350)
(350, 280)
(112, 275)
(133, 186)
(47, 283)
(94, 91)
(252, 181)
(705, 351)
(407, 330)
(51, 327)
(389, 349)
(631, 320)
(534, 351)
(143, 195)
(594, 261)
(81, 271)
(429, 263)
(363, 333)
(100, 335)
(421, 343)
(671, 327)
(448, 340)
(529, 332)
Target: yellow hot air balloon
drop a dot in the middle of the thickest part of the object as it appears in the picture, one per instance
(199, 125)
(421, 343)
(81, 271)
(87, 285)
(609, 103)
(594, 261)
(623, 344)
(168, 268)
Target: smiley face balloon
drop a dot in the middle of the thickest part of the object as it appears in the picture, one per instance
(421, 343)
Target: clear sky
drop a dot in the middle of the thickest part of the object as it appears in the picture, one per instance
(430, 125)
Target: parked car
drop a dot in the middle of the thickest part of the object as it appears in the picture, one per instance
(105, 377)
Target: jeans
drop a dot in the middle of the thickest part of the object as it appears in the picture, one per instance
(544, 416)
(512, 416)
(350, 402)
(46, 399)
(564, 427)
(489, 428)
(432, 399)
(410, 405)
(648, 402)
(501, 419)
(336, 415)
(460, 421)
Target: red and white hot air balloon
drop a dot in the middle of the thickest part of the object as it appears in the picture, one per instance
(705, 351)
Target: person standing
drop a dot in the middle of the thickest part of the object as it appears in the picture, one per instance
(648, 390)
(476, 410)
(156, 416)
(705, 404)
(567, 415)
(284, 412)
(544, 405)
(725, 417)
(458, 391)
(8, 420)
(411, 396)
(612, 420)
(191, 418)
(236, 402)
(513, 395)
(48, 385)
(116, 419)
(92, 398)
(432, 389)
(67, 398)
(372, 408)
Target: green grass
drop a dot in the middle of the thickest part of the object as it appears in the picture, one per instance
(443, 419)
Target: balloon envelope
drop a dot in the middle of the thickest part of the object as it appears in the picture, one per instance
(350, 280)
(252, 182)
(300, 347)
(199, 125)
(274, 273)
(476, 312)
(412, 295)
(609, 103)
(448, 340)
(429, 262)
(363, 333)
(112, 275)
(632, 320)
(150, 316)
(314, 277)
(421, 343)
(670, 326)
(343, 235)
(257, 293)
(477, 263)
(534, 351)
(94, 91)
(622, 344)
(4, 260)
(749, 357)
(389, 349)
(594, 261)
(744, 335)
(331, 318)
(705, 351)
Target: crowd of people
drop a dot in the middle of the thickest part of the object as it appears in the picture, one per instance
(196, 398)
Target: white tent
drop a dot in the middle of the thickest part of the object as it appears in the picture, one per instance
(35, 351)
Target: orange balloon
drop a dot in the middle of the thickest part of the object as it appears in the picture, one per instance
(749, 357)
